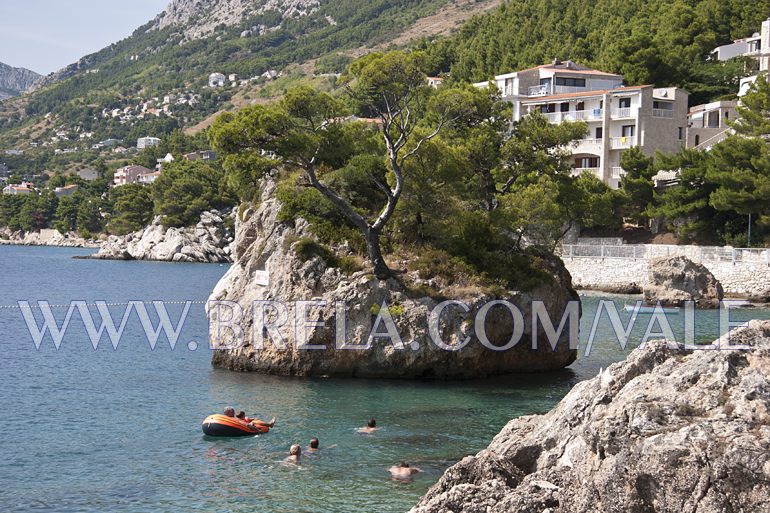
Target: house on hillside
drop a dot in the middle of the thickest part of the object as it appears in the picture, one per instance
(88, 174)
(148, 178)
(757, 46)
(709, 123)
(217, 80)
(435, 82)
(67, 190)
(200, 155)
(146, 142)
(618, 117)
(17, 190)
(129, 174)
(169, 158)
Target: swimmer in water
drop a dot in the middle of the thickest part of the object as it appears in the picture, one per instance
(370, 428)
(402, 471)
(315, 446)
(294, 454)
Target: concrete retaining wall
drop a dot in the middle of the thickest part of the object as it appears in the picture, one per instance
(742, 279)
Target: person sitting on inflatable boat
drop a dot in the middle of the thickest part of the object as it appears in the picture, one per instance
(230, 412)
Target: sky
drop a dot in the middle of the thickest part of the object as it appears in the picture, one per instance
(46, 35)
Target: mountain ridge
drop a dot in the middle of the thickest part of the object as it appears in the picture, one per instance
(14, 81)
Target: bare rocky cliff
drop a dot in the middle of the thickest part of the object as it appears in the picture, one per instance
(268, 268)
(198, 18)
(14, 81)
(666, 431)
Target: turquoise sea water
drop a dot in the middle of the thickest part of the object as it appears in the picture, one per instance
(104, 430)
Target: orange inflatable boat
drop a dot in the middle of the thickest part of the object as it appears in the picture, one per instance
(222, 425)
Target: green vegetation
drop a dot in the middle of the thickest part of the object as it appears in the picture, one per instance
(719, 191)
(439, 176)
(180, 194)
(658, 42)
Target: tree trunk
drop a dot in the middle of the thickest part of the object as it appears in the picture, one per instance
(381, 269)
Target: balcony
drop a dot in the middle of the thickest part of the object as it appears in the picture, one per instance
(591, 146)
(578, 115)
(587, 115)
(623, 113)
(617, 173)
(597, 171)
(560, 89)
(620, 143)
(538, 90)
(662, 113)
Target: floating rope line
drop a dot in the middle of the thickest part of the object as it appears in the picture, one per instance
(94, 305)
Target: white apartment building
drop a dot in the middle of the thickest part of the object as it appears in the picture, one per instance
(146, 142)
(757, 46)
(618, 117)
(709, 123)
(129, 174)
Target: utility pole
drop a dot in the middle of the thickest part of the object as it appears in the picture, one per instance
(749, 230)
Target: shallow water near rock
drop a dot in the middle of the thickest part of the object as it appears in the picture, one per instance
(105, 430)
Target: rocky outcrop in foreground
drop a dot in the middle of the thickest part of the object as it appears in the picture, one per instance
(207, 242)
(268, 267)
(664, 431)
(676, 280)
(45, 238)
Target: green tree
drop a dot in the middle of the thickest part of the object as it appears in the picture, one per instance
(636, 184)
(65, 219)
(754, 110)
(304, 132)
(132, 208)
(186, 189)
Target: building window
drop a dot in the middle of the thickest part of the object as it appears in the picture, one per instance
(599, 132)
(662, 105)
(581, 106)
(570, 82)
(564, 107)
(587, 162)
(681, 133)
(627, 131)
(697, 140)
(624, 103)
(727, 115)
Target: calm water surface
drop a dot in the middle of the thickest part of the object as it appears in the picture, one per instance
(105, 430)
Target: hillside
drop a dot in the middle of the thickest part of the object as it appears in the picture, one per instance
(14, 81)
(663, 42)
(157, 79)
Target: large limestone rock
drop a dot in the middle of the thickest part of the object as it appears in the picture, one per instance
(264, 244)
(207, 242)
(665, 431)
(672, 281)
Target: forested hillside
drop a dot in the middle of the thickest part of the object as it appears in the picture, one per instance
(649, 41)
(153, 63)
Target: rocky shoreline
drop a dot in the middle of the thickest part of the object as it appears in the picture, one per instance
(666, 430)
(51, 238)
(207, 242)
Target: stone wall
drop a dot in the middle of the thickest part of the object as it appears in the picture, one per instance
(742, 279)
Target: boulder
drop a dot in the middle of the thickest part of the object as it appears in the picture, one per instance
(667, 430)
(675, 280)
(266, 245)
(207, 242)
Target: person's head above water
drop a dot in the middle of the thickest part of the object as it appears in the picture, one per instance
(403, 464)
(314, 443)
(241, 415)
(295, 450)
(372, 423)
(230, 411)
